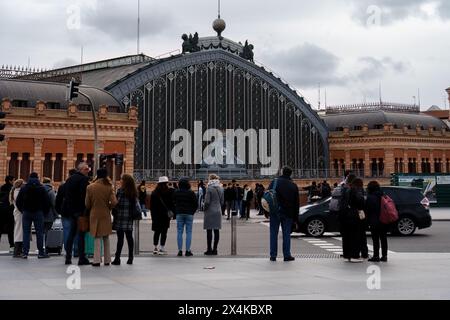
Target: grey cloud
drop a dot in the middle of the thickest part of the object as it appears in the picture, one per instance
(118, 19)
(444, 9)
(376, 68)
(307, 65)
(65, 63)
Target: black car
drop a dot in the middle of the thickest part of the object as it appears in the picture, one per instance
(413, 209)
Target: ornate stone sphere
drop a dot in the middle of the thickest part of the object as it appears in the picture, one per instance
(219, 26)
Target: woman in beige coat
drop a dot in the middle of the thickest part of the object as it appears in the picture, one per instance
(100, 199)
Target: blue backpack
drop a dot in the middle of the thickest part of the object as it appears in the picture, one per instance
(269, 199)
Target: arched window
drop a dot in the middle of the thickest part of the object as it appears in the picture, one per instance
(14, 165)
(47, 167)
(58, 168)
(25, 166)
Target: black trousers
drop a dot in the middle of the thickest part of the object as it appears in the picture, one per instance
(379, 234)
(364, 250)
(209, 236)
(120, 240)
(352, 240)
(157, 235)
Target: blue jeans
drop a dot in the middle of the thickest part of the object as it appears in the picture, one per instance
(184, 220)
(239, 207)
(37, 218)
(67, 225)
(286, 225)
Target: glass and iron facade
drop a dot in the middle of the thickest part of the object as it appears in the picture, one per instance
(222, 91)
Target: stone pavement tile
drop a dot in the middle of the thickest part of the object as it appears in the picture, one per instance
(27, 289)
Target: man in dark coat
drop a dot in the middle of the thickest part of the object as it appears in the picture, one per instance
(7, 212)
(60, 209)
(34, 203)
(74, 207)
(289, 205)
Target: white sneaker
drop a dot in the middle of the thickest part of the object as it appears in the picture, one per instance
(162, 252)
(155, 251)
(359, 260)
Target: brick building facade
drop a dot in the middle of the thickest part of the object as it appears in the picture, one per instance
(379, 139)
(47, 135)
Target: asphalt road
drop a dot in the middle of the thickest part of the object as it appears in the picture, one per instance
(253, 240)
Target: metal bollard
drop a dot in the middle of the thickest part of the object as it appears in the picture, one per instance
(136, 238)
(233, 233)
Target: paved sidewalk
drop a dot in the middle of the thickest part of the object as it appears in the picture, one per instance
(440, 214)
(406, 276)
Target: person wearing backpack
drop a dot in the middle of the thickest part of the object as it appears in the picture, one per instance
(378, 230)
(33, 201)
(186, 204)
(50, 218)
(288, 203)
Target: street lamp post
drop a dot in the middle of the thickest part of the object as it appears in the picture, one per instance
(94, 118)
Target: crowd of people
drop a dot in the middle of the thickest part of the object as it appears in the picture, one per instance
(92, 209)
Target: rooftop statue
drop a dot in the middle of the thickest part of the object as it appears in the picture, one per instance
(190, 44)
(247, 52)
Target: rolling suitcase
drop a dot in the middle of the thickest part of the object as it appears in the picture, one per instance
(55, 238)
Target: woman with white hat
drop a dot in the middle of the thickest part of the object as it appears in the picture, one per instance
(162, 208)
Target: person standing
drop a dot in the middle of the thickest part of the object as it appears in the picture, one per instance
(52, 213)
(246, 201)
(259, 195)
(74, 207)
(377, 229)
(185, 207)
(213, 213)
(201, 194)
(60, 209)
(161, 202)
(18, 226)
(142, 197)
(34, 203)
(325, 191)
(123, 217)
(352, 220)
(289, 205)
(7, 212)
(100, 199)
(239, 197)
(228, 198)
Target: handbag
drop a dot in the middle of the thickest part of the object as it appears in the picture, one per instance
(136, 211)
(83, 222)
(170, 213)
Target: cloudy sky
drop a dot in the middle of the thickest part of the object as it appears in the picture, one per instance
(349, 46)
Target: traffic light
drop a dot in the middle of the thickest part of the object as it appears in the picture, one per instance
(2, 126)
(73, 90)
(103, 161)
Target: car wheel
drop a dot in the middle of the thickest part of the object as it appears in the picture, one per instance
(406, 226)
(315, 228)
